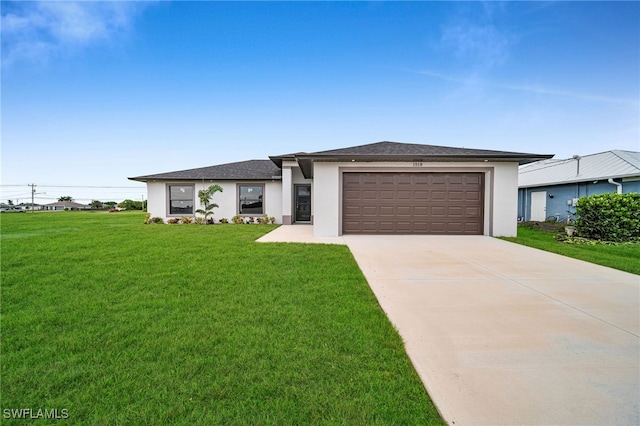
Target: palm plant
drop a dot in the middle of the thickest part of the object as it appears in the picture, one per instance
(205, 196)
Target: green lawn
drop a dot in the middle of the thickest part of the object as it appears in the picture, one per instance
(124, 323)
(624, 256)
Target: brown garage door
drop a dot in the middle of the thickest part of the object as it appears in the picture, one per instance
(412, 203)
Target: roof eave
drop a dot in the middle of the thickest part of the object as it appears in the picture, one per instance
(425, 158)
(578, 180)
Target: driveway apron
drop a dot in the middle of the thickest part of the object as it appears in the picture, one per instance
(503, 334)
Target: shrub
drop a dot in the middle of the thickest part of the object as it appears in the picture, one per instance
(186, 219)
(155, 220)
(223, 220)
(272, 219)
(609, 217)
(237, 219)
(199, 220)
(173, 220)
(263, 220)
(147, 218)
(250, 220)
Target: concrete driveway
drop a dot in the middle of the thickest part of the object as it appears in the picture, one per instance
(502, 334)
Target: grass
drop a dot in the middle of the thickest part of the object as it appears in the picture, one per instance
(123, 323)
(622, 256)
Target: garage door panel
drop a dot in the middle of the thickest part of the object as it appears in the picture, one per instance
(387, 210)
(455, 212)
(404, 211)
(456, 195)
(455, 179)
(438, 211)
(370, 211)
(404, 195)
(438, 179)
(404, 179)
(404, 227)
(423, 203)
(438, 195)
(387, 194)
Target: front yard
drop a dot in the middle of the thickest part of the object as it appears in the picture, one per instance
(618, 256)
(117, 322)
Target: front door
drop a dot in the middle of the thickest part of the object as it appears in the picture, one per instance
(303, 203)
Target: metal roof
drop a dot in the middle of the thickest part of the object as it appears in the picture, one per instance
(604, 165)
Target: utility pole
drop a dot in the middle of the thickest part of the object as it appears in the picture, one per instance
(33, 193)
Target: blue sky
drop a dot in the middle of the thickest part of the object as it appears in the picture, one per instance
(95, 92)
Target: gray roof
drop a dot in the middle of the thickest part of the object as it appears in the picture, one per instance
(603, 165)
(396, 151)
(242, 170)
(387, 148)
(379, 151)
(67, 204)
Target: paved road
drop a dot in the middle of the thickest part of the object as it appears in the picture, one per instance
(503, 334)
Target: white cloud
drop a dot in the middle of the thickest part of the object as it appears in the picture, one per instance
(536, 90)
(484, 45)
(35, 31)
(474, 35)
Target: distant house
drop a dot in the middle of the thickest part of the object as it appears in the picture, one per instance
(29, 206)
(551, 188)
(379, 188)
(69, 205)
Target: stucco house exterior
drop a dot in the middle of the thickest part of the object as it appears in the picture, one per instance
(550, 188)
(378, 188)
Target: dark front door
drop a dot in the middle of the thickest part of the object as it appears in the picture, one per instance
(303, 203)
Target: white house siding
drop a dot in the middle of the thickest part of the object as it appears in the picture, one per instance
(500, 192)
(227, 200)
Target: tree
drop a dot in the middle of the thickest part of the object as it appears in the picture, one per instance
(95, 204)
(130, 205)
(65, 198)
(205, 196)
(10, 202)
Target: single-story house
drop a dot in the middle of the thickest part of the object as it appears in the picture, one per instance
(378, 188)
(551, 188)
(69, 205)
(31, 207)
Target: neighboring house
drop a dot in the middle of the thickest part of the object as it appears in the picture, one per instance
(551, 188)
(31, 207)
(69, 205)
(379, 188)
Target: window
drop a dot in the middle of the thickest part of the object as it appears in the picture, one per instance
(250, 199)
(180, 199)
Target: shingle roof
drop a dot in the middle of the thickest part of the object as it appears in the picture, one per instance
(68, 204)
(242, 170)
(603, 165)
(397, 151)
(379, 151)
(387, 148)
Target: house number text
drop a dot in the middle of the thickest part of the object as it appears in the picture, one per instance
(417, 164)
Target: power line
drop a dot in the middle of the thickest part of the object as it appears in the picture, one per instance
(80, 186)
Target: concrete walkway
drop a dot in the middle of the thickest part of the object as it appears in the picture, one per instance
(503, 334)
